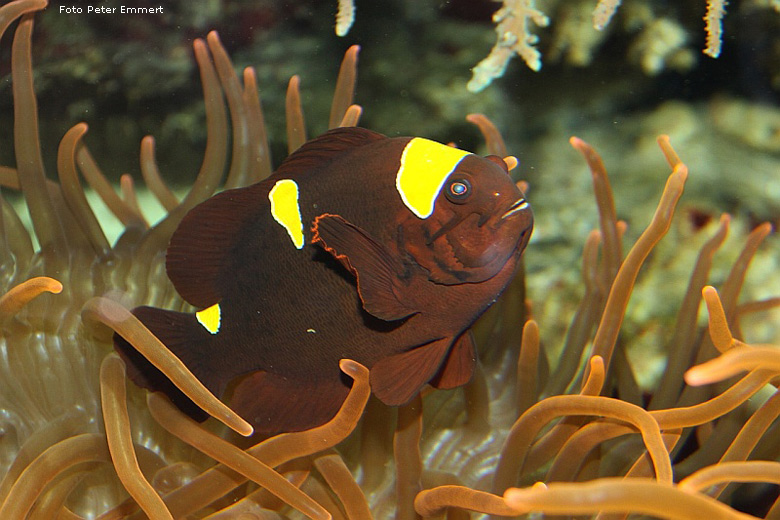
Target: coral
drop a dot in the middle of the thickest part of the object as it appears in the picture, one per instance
(68, 415)
(757, 125)
(716, 10)
(660, 43)
(345, 17)
(514, 37)
(660, 46)
(574, 39)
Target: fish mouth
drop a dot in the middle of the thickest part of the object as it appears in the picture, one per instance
(518, 205)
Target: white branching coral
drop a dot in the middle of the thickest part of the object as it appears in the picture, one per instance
(345, 16)
(714, 19)
(660, 45)
(603, 13)
(514, 37)
(660, 42)
(716, 9)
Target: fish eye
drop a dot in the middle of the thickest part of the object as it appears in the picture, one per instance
(458, 190)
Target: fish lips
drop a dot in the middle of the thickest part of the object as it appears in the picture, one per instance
(517, 220)
(520, 211)
(482, 251)
(519, 205)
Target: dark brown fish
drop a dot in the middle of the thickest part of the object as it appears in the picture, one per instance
(359, 246)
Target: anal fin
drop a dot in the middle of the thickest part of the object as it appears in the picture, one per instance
(187, 339)
(396, 379)
(273, 403)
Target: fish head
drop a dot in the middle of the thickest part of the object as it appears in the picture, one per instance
(480, 220)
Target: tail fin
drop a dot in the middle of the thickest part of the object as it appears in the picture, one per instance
(183, 336)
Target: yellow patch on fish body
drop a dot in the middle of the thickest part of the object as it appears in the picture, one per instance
(210, 318)
(285, 209)
(425, 165)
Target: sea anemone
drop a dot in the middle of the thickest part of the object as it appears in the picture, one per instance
(79, 442)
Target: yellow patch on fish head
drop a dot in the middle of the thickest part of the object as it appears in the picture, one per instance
(285, 209)
(425, 165)
(210, 318)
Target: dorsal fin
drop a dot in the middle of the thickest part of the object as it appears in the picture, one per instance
(205, 237)
(320, 151)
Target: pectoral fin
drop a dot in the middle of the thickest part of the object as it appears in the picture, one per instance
(459, 365)
(378, 272)
(396, 379)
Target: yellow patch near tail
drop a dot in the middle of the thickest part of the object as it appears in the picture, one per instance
(285, 209)
(210, 318)
(425, 165)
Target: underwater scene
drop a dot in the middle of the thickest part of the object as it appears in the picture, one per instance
(389, 259)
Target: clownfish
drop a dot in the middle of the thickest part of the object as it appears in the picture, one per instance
(381, 250)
